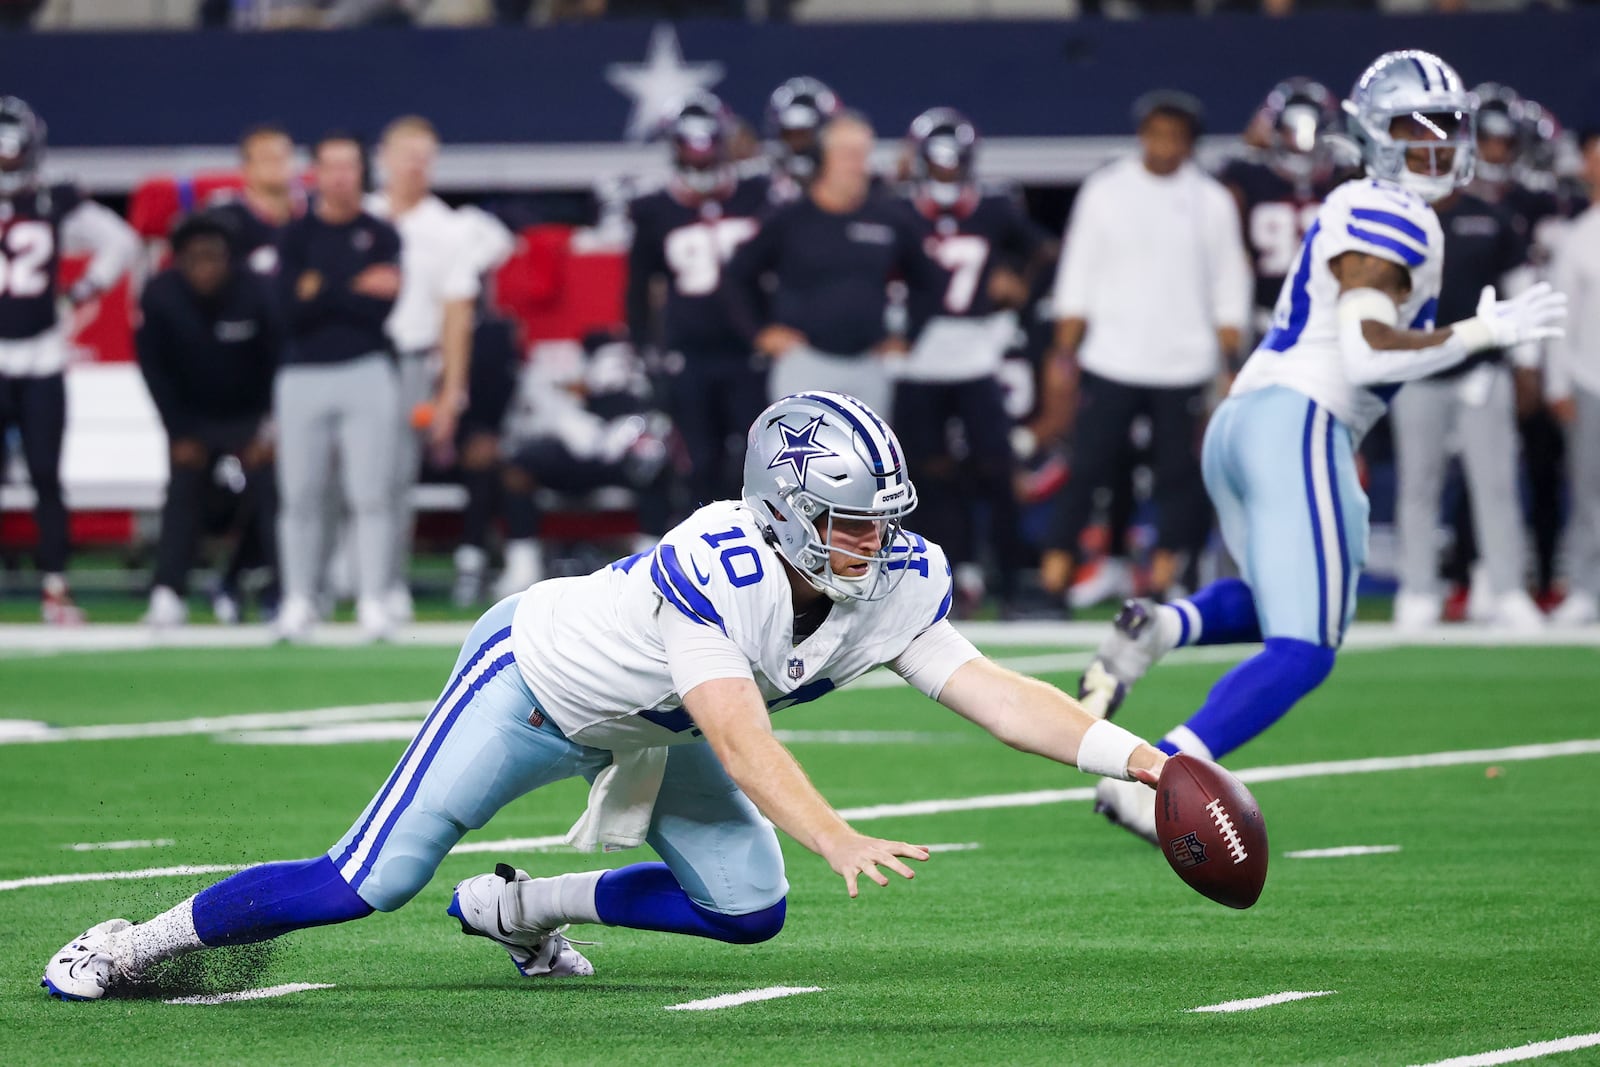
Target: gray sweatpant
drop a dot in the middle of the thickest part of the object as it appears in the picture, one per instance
(868, 378)
(1477, 414)
(417, 374)
(342, 411)
(1583, 526)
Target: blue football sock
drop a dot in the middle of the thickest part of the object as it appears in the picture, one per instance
(263, 902)
(1223, 613)
(645, 896)
(1252, 697)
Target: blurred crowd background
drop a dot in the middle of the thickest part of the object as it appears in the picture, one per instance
(365, 338)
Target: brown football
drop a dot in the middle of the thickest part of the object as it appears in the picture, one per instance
(1211, 831)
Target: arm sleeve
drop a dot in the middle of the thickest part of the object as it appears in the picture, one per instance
(1232, 282)
(933, 656)
(1071, 297)
(697, 653)
(369, 310)
(1366, 366)
(461, 279)
(114, 247)
(741, 287)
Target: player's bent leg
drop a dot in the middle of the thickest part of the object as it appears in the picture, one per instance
(475, 753)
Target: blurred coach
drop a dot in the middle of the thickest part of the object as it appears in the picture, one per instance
(1153, 291)
(337, 392)
(831, 254)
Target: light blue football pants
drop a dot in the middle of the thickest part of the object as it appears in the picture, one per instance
(1281, 472)
(478, 751)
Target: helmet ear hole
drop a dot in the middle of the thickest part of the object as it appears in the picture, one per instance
(776, 514)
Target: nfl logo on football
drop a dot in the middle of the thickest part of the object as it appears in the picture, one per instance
(797, 669)
(1187, 851)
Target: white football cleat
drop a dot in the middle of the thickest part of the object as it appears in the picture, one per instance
(524, 567)
(84, 968)
(296, 617)
(1516, 611)
(373, 618)
(1416, 612)
(167, 609)
(398, 605)
(1122, 659)
(1131, 805)
(1577, 609)
(471, 563)
(537, 954)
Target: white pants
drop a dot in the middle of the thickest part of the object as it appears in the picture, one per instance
(866, 377)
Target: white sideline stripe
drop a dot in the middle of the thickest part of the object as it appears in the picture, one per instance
(119, 846)
(999, 800)
(749, 996)
(251, 994)
(1522, 1052)
(955, 846)
(513, 844)
(121, 876)
(1262, 1002)
(404, 730)
(1343, 850)
(211, 724)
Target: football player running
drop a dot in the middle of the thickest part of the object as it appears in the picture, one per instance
(1355, 319)
(655, 678)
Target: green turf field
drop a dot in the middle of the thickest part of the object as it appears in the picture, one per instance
(1057, 940)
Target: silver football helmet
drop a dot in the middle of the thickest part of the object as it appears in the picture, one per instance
(815, 458)
(1423, 88)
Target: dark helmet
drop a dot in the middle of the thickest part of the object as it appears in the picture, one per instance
(698, 134)
(944, 147)
(1500, 118)
(1297, 115)
(796, 113)
(21, 145)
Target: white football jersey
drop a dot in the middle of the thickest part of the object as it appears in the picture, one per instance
(592, 651)
(1301, 351)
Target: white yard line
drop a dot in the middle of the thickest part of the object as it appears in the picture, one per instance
(121, 876)
(251, 994)
(1262, 1002)
(119, 846)
(955, 846)
(749, 996)
(1341, 851)
(980, 803)
(1522, 1052)
(213, 724)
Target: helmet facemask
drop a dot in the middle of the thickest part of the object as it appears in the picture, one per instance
(815, 558)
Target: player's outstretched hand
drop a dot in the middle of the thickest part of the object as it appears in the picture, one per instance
(853, 855)
(1535, 314)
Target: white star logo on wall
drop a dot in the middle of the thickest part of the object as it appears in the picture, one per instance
(658, 83)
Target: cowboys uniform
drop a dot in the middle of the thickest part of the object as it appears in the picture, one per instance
(595, 648)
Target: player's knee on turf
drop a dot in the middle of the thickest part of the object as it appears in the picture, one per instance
(752, 928)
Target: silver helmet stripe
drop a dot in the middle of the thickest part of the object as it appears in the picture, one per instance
(877, 445)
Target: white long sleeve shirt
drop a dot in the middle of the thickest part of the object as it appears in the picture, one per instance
(1574, 360)
(1156, 265)
(436, 267)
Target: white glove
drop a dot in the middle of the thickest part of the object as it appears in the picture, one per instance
(1535, 314)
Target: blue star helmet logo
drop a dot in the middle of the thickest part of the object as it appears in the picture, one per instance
(800, 447)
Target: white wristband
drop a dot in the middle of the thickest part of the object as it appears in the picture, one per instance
(1105, 749)
(1474, 333)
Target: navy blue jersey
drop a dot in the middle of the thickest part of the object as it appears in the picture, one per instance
(688, 242)
(328, 321)
(970, 241)
(1276, 212)
(255, 239)
(1482, 243)
(30, 248)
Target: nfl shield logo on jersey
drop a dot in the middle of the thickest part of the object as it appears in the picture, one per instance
(797, 669)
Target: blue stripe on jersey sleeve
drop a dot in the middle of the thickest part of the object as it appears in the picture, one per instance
(1409, 255)
(1398, 223)
(664, 587)
(690, 593)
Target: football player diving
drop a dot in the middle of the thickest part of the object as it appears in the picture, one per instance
(656, 678)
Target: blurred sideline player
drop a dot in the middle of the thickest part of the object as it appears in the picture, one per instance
(1355, 319)
(951, 377)
(656, 677)
(683, 236)
(38, 225)
(796, 113)
(1281, 186)
(593, 426)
